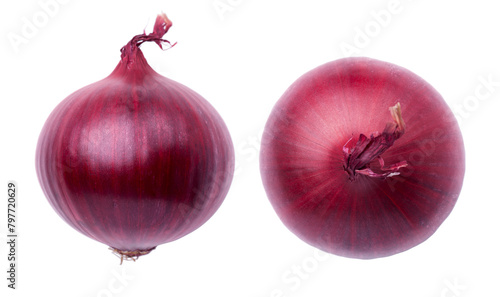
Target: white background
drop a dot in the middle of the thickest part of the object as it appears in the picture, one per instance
(241, 60)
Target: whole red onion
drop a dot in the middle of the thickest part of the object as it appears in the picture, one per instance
(345, 177)
(136, 159)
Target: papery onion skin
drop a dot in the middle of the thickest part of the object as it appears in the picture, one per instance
(302, 159)
(135, 160)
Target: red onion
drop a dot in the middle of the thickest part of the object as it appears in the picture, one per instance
(345, 177)
(136, 159)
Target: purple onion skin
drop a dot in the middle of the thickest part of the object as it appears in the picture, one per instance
(302, 159)
(135, 160)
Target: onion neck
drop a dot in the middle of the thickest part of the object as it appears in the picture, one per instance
(357, 158)
(131, 53)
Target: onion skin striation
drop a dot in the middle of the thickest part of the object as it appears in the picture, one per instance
(347, 178)
(135, 160)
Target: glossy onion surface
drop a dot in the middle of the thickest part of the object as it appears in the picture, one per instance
(136, 159)
(321, 117)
